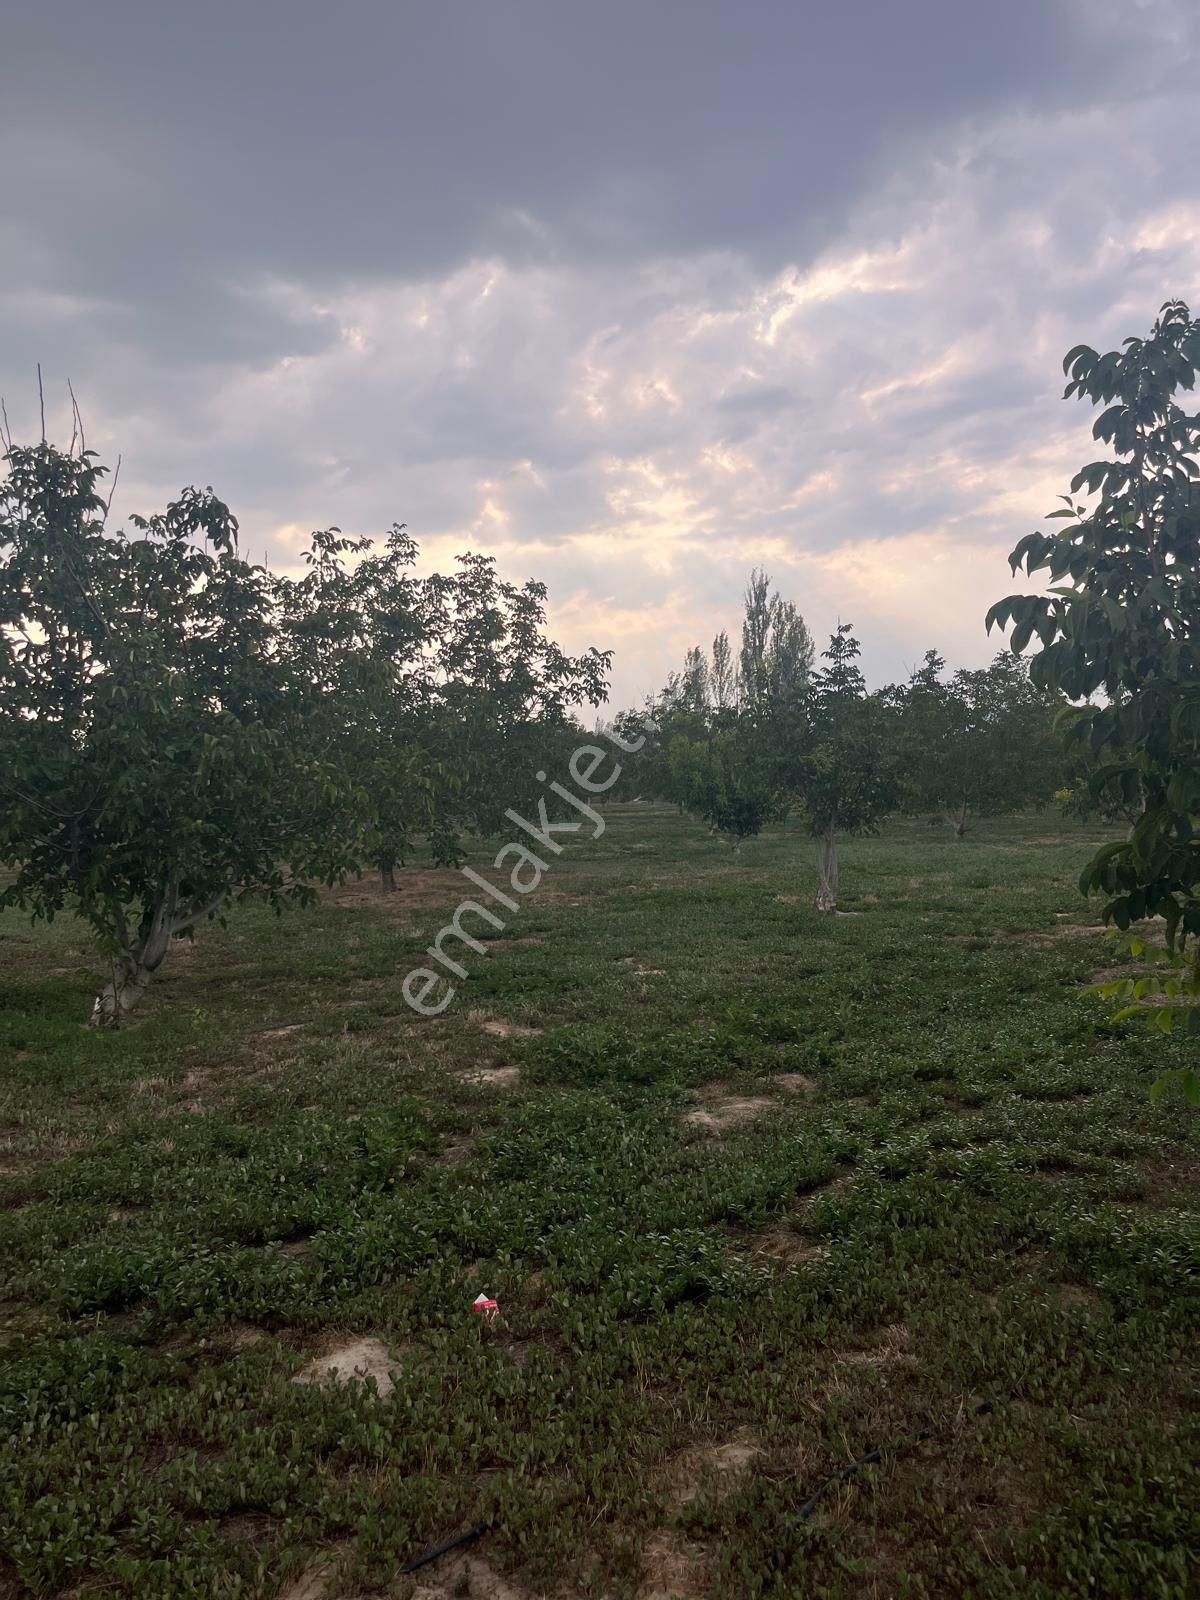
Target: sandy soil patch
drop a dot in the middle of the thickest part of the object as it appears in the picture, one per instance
(455, 1151)
(465, 1575)
(244, 1334)
(1076, 1297)
(728, 1111)
(493, 1077)
(1171, 1182)
(500, 1029)
(1066, 930)
(714, 1469)
(413, 889)
(890, 1347)
(643, 972)
(318, 1581)
(353, 1363)
(790, 1249)
(794, 1082)
(673, 1568)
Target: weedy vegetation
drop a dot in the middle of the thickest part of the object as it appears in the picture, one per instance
(926, 1173)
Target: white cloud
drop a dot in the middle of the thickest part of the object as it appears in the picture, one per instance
(878, 424)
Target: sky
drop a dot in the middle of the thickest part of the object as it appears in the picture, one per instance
(632, 296)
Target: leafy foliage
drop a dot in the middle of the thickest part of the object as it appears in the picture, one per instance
(981, 743)
(1122, 618)
(836, 757)
(974, 1197)
(156, 758)
(181, 729)
(724, 779)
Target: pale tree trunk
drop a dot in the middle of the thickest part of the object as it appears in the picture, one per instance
(136, 964)
(827, 869)
(121, 993)
(957, 819)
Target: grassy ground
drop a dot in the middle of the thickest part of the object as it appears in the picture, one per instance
(947, 1185)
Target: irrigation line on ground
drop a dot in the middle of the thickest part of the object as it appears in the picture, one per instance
(873, 1457)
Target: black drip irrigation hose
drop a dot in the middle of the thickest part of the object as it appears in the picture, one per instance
(873, 1457)
(444, 1549)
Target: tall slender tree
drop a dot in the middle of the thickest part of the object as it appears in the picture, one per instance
(840, 763)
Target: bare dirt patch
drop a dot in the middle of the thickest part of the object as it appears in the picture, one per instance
(963, 1108)
(466, 1575)
(318, 1581)
(641, 971)
(889, 1347)
(19, 1318)
(492, 1077)
(713, 1469)
(1076, 1297)
(455, 1151)
(500, 1029)
(794, 1082)
(294, 1247)
(355, 1362)
(728, 1111)
(1171, 1182)
(244, 1334)
(790, 1249)
(414, 890)
(1065, 930)
(673, 1568)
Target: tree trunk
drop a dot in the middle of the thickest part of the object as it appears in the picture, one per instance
(958, 819)
(133, 969)
(120, 994)
(387, 876)
(827, 870)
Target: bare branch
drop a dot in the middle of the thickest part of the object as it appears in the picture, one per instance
(5, 430)
(41, 401)
(76, 420)
(112, 489)
(189, 918)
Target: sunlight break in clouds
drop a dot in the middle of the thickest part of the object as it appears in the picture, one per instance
(634, 356)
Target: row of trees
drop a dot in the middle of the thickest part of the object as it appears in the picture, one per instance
(742, 747)
(181, 729)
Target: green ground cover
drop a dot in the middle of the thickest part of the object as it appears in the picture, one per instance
(756, 1190)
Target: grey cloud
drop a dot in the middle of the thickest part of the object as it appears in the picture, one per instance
(504, 273)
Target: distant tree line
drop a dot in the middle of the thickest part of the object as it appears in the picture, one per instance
(781, 731)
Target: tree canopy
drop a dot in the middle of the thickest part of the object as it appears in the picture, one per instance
(1121, 621)
(181, 729)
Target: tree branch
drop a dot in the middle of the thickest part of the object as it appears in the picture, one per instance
(181, 924)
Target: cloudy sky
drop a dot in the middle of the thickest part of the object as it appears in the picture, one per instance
(632, 295)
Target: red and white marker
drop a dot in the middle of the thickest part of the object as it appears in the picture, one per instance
(487, 1308)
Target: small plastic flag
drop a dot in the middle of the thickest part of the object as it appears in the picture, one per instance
(486, 1307)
